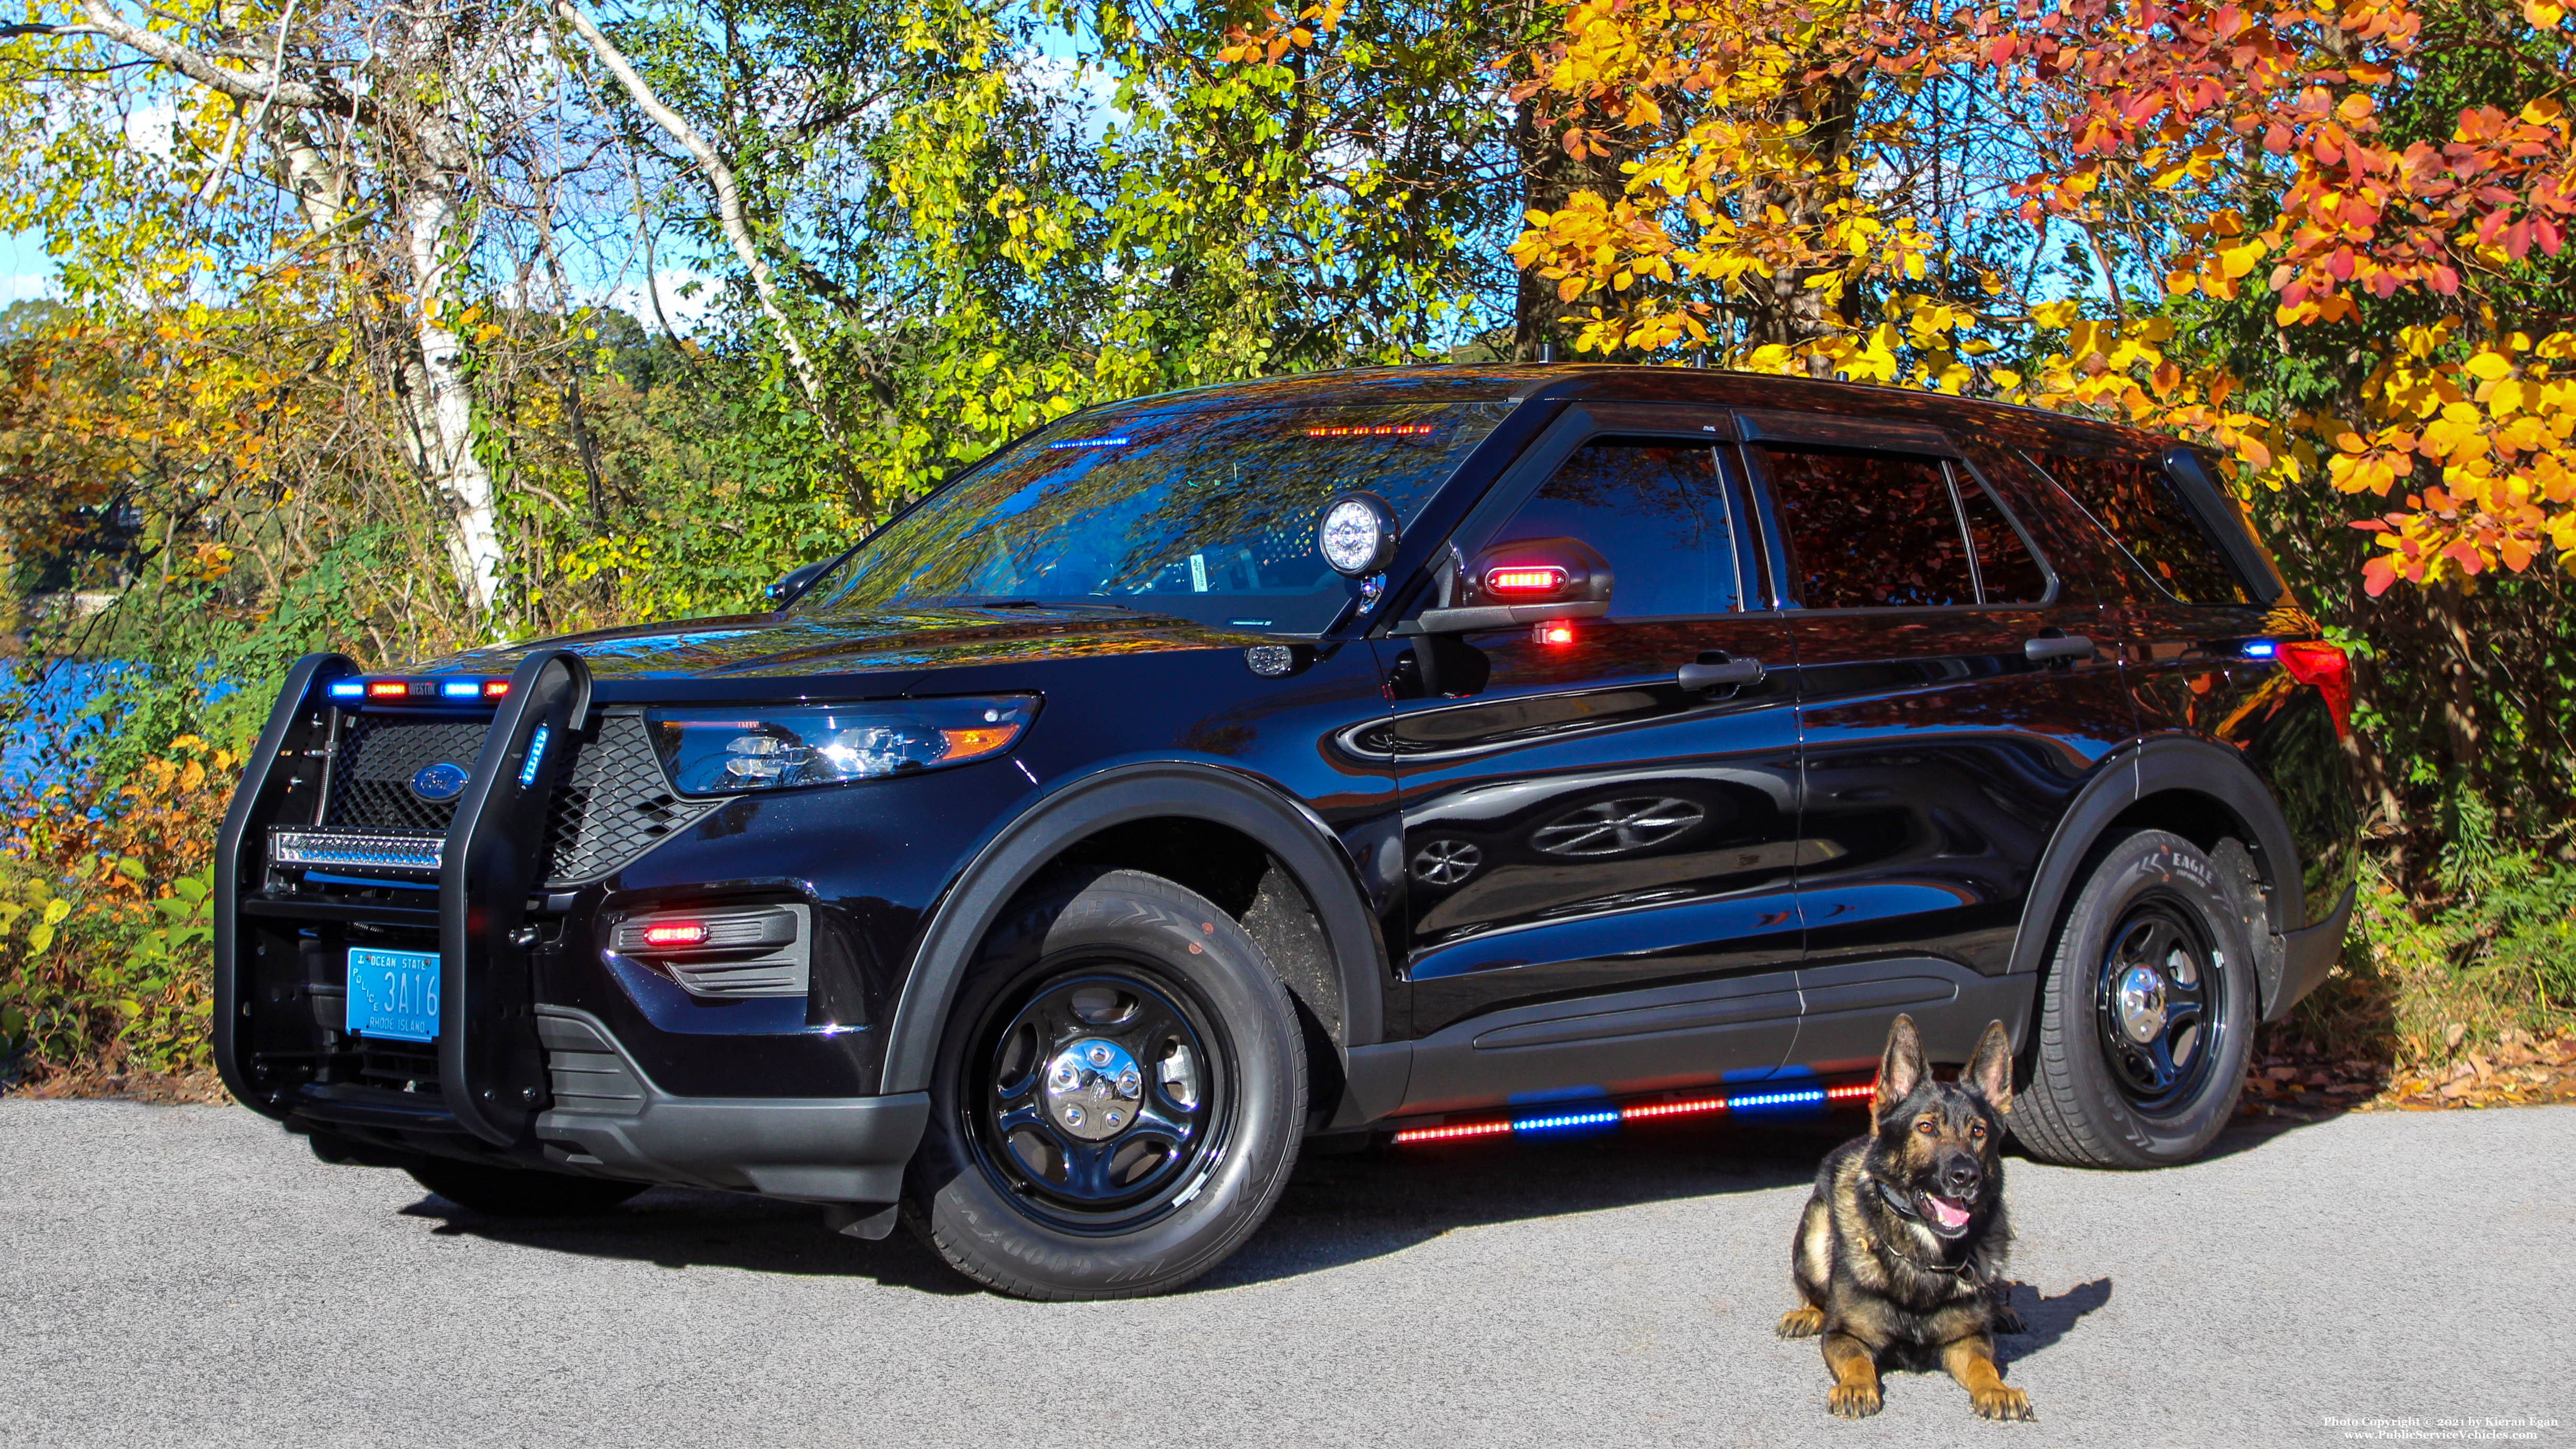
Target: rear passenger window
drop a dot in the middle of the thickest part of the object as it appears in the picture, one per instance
(2140, 506)
(1657, 511)
(1869, 530)
(2005, 566)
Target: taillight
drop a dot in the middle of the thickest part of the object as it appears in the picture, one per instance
(2316, 662)
(676, 933)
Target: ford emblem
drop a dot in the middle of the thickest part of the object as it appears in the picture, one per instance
(439, 783)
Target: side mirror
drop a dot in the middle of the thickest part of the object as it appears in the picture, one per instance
(1528, 582)
(1357, 535)
(792, 585)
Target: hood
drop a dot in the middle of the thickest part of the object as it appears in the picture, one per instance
(799, 645)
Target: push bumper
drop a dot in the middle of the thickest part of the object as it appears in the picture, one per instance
(2307, 956)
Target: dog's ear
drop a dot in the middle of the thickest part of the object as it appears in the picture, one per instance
(1901, 1069)
(1990, 1070)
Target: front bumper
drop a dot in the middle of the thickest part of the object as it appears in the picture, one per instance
(515, 1075)
(609, 1117)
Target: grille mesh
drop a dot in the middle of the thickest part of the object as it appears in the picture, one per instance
(614, 804)
(611, 800)
(378, 755)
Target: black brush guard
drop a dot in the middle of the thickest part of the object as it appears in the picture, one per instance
(491, 1068)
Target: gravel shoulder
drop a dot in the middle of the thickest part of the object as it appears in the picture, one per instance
(190, 1275)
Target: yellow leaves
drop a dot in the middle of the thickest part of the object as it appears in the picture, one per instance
(2542, 15)
(2235, 262)
(2054, 316)
(2487, 366)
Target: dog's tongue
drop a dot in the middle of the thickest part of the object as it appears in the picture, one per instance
(1946, 1213)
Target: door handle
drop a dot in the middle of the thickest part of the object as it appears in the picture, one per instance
(1717, 668)
(2053, 645)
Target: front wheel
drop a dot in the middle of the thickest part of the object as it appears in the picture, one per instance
(1118, 1098)
(2147, 1017)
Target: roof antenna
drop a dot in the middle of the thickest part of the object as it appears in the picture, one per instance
(1547, 351)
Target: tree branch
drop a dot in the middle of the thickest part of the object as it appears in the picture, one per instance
(728, 194)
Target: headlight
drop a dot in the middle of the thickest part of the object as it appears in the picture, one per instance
(720, 751)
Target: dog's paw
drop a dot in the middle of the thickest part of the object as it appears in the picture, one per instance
(2003, 1401)
(1801, 1323)
(1854, 1401)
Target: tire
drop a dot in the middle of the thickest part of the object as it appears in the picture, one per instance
(2101, 1094)
(1166, 994)
(509, 1192)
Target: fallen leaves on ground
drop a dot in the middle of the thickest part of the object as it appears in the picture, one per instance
(2519, 1070)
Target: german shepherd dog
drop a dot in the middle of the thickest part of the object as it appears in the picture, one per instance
(1899, 1250)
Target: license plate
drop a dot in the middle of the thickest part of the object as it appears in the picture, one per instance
(393, 994)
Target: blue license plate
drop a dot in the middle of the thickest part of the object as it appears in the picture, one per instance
(393, 994)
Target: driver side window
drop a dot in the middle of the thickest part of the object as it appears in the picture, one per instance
(1657, 510)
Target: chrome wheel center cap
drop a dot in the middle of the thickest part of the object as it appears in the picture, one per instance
(1092, 1088)
(2141, 999)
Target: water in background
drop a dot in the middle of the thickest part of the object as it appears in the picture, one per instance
(43, 745)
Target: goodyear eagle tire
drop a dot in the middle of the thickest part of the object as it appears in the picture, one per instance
(2147, 1013)
(1118, 1096)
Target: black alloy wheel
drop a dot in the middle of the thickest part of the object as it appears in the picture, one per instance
(2157, 1006)
(1102, 1095)
(1118, 1099)
(2146, 1016)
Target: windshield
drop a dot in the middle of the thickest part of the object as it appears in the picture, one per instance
(1205, 513)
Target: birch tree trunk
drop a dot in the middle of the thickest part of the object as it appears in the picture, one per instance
(442, 397)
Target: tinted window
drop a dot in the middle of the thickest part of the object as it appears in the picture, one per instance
(1869, 530)
(1657, 511)
(2004, 562)
(2136, 501)
(1203, 513)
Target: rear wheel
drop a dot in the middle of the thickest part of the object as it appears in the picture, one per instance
(2147, 1017)
(509, 1192)
(1118, 1099)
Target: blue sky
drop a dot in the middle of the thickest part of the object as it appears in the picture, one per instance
(25, 270)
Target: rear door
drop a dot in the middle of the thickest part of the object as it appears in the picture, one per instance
(1951, 702)
(1601, 860)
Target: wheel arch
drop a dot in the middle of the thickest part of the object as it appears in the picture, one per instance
(2200, 791)
(1085, 820)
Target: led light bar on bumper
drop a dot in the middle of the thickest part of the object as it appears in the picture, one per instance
(728, 750)
(354, 850)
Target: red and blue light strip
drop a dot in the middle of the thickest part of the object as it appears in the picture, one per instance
(407, 689)
(1615, 1115)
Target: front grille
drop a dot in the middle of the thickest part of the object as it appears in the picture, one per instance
(378, 755)
(611, 800)
(612, 805)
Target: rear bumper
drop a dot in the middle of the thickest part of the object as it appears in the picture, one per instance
(609, 1118)
(2307, 956)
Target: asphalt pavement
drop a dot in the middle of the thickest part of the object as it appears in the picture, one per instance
(192, 1276)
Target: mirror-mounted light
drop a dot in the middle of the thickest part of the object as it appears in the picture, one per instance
(1357, 535)
(1529, 581)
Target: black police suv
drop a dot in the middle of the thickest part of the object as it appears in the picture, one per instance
(1436, 752)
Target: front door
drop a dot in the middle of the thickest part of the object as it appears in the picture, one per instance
(1951, 703)
(1600, 858)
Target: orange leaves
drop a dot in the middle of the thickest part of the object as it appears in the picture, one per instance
(1280, 34)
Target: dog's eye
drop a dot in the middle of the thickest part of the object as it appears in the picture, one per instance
(1977, 1130)
(1926, 1128)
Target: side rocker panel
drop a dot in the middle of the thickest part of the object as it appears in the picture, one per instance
(1015, 856)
